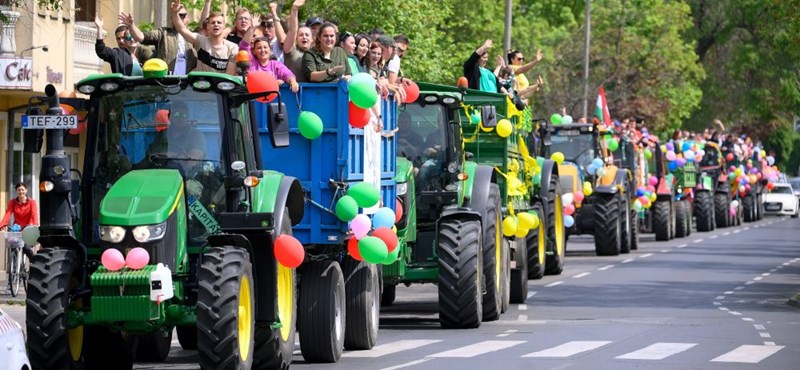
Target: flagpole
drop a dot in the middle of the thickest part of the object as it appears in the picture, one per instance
(586, 60)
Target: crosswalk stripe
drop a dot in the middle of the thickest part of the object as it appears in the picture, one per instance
(749, 354)
(568, 349)
(476, 349)
(657, 351)
(391, 347)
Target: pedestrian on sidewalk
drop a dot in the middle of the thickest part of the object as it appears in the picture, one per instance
(25, 212)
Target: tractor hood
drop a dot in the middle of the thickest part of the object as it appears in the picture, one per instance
(142, 197)
(404, 168)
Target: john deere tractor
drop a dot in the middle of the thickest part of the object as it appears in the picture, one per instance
(197, 225)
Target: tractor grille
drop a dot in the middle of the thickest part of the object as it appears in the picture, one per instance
(123, 295)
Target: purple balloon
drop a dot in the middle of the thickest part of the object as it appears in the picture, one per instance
(670, 146)
(681, 162)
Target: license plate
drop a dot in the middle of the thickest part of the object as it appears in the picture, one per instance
(773, 207)
(50, 122)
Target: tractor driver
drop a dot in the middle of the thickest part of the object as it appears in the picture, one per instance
(183, 140)
(409, 141)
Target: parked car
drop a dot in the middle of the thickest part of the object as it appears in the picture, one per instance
(12, 350)
(795, 182)
(781, 200)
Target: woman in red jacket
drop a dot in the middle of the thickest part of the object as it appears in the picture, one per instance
(25, 212)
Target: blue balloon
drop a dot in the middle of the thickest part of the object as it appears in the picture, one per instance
(673, 166)
(597, 162)
(383, 218)
(640, 192)
(569, 221)
(591, 169)
(686, 146)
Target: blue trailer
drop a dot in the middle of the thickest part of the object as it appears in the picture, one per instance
(336, 291)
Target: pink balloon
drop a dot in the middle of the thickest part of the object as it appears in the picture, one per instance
(112, 259)
(671, 156)
(360, 226)
(137, 258)
(644, 199)
(578, 197)
(569, 209)
(653, 181)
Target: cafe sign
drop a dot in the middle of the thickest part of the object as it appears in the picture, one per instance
(16, 73)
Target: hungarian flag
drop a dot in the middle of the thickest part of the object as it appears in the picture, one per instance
(601, 109)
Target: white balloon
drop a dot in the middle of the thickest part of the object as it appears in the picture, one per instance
(566, 120)
(30, 234)
(567, 198)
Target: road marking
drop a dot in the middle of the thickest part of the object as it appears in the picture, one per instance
(765, 335)
(477, 349)
(765, 274)
(717, 303)
(664, 250)
(627, 260)
(738, 288)
(759, 327)
(682, 246)
(757, 278)
(729, 292)
(747, 319)
(568, 349)
(749, 282)
(749, 354)
(606, 267)
(720, 297)
(774, 270)
(507, 333)
(736, 231)
(735, 313)
(391, 347)
(727, 233)
(769, 343)
(531, 294)
(697, 240)
(522, 318)
(555, 283)
(646, 255)
(583, 274)
(522, 307)
(747, 228)
(713, 237)
(407, 364)
(657, 351)
(723, 308)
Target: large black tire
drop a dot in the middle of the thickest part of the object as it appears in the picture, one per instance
(681, 222)
(634, 230)
(626, 226)
(460, 301)
(389, 294)
(662, 219)
(494, 253)
(187, 337)
(155, 346)
(321, 312)
(519, 276)
(722, 205)
(363, 292)
(607, 225)
(536, 245)
(749, 207)
(556, 233)
(704, 210)
(760, 206)
(225, 297)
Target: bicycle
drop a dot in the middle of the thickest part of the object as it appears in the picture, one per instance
(15, 262)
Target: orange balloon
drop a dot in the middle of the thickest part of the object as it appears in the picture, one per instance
(259, 82)
(463, 82)
(289, 251)
(388, 236)
(352, 249)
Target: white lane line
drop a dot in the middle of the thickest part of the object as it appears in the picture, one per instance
(769, 343)
(729, 292)
(738, 288)
(765, 274)
(697, 240)
(713, 236)
(407, 364)
(749, 354)
(765, 335)
(531, 294)
(717, 303)
(759, 327)
(720, 297)
(757, 278)
(583, 274)
(749, 282)
(747, 319)
(727, 233)
(723, 308)
(735, 313)
(774, 270)
(786, 264)
(682, 246)
(657, 351)
(628, 260)
(664, 250)
(391, 347)
(646, 255)
(606, 267)
(737, 231)
(522, 318)
(477, 349)
(747, 228)
(522, 307)
(568, 349)
(555, 283)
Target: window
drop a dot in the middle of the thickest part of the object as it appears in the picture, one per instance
(85, 10)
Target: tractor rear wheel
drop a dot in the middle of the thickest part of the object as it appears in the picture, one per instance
(634, 230)
(556, 239)
(389, 294)
(662, 219)
(322, 312)
(722, 209)
(363, 304)
(681, 223)
(187, 337)
(494, 253)
(519, 276)
(155, 346)
(225, 309)
(536, 245)
(626, 227)
(704, 210)
(607, 225)
(749, 205)
(460, 295)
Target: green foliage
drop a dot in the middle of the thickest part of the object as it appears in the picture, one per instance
(146, 27)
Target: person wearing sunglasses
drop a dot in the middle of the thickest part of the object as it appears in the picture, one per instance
(170, 46)
(517, 62)
(127, 58)
(272, 29)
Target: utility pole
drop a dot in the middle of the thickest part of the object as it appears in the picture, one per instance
(507, 32)
(586, 60)
(162, 14)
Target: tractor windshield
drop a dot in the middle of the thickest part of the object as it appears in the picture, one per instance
(576, 146)
(422, 138)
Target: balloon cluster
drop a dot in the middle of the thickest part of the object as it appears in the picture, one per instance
(680, 152)
(363, 93)
(596, 167)
(645, 195)
(557, 119)
(569, 202)
(136, 259)
(374, 239)
(520, 224)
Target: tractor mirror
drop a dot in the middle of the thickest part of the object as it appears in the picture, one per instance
(546, 140)
(489, 116)
(278, 125)
(32, 139)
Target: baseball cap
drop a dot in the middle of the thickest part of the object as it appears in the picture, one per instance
(313, 21)
(385, 41)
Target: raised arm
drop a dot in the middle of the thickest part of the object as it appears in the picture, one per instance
(205, 12)
(101, 49)
(527, 67)
(127, 19)
(181, 28)
(276, 22)
(291, 35)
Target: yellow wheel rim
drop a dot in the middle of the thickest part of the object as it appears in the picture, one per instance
(559, 214)
(75, 335)
(245, 319)
(542, 243)
(497, 251)
(285, 300)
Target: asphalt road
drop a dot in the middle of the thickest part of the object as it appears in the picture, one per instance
(713, 300)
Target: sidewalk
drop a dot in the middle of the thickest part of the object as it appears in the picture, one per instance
(5, 295)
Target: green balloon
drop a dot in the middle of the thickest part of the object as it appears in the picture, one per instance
(555, 119)
(540, 162)
(346, 208)
(310, 125)
(372, 249)
(647, 153)
(365, 194)
(391, 256)
(613, 145)
(475, 118)
(362, 90)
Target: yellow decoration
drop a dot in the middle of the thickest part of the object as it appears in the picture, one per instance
(653, 197)
(484, 128)
(509, 226)
(528, 220)
(154, 68)
(394, 228)
(504, 128)
(558, 157)
(521, 232)
(587, 188)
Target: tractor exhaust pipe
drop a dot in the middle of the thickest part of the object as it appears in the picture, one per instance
(57, 215)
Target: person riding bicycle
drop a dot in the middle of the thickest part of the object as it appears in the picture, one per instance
(25, 212)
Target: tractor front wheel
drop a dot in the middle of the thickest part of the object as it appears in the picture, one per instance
(704, 210)
(460, 272)
(536, 244)
(607, 225)
(556, 233)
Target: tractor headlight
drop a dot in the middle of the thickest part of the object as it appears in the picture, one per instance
(112, 234)
(402, 189)
(149, 233)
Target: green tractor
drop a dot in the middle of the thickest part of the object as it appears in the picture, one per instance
(451, 216)
(199, 226)
(710, 168)
(662, 215)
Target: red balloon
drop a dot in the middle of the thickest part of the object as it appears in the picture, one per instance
(412, 90)
(289, 251)
(569, 209)
(770, 186)
(388, 236)
(729, 157)
(398, 210)
(359, 117)
(261, 81)
(352, 248)
(463, 82)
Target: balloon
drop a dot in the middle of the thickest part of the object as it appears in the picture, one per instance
(462, 82)
(137, 258)
(567, 198)
(601, 172)
(362, 90)
(30, 234)
(475, 118)
(729, 157)
(647, 153)
(372, 249)
(613, 145)
(689, 155)
(358, 117)
(569, 221)
(680, 162)
(509, 226)
(640, 191)
(112, 259)
(346, 208)
(569, 209)
(504, 128)
(365, 194)
(383, 218)
(388, 236)
(670, 147)
(566, 120)
(770, 186)
(412, 90)
(637, 205)
(671, 156)
(352, 249)
(771, 160)
(686, 146)
(289, 251)
(578, 197)
(597, 162)
(527, 221)
(521, 232)
(698, 158)
(262, 81)
(558, 157)
(653, 197)
(587, 188)
(360, 226)
(672, 166)
(555, 119)
(398, 206)
(391, 257)
(309, 124)
(591, 169)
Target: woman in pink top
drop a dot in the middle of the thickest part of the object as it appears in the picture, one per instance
(261, 59)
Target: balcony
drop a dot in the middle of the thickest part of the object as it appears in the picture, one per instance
(85, 60)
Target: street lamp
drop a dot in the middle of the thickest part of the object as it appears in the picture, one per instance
(44, 48)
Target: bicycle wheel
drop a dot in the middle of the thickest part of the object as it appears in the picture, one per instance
(13, 272)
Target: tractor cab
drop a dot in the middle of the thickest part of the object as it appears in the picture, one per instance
(578, 143)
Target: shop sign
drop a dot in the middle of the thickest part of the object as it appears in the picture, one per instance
(16, 73)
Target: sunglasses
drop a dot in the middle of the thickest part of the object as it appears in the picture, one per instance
(182, 15)
(126, 38)
(267, 24)
(521, 59)
(243, 19)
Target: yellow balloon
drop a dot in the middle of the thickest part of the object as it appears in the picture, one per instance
(653, 197)
(504, 128)
(525, 220)
(587, 188)
(535, 219)
(558, 157)
(509, 226)
(394, 228)
(521, 232)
